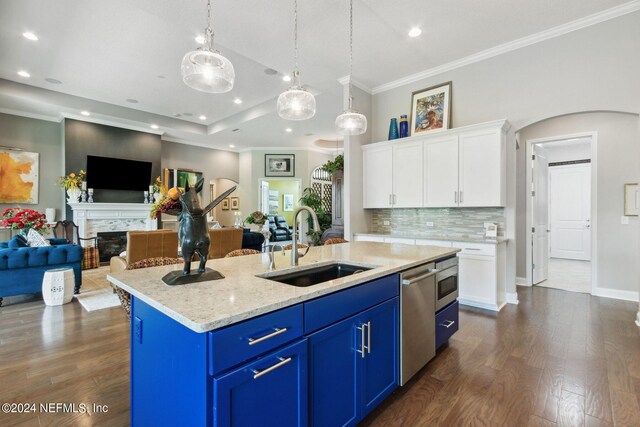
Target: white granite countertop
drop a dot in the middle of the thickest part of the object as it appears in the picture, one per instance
(241, 295)
(448, 238)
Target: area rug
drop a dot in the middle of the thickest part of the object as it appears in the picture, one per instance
(98, 300)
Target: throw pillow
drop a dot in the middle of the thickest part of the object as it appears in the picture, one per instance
(17, 242)
(35, 239)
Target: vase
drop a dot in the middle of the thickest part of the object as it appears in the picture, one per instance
(72, 195)
(50, 213)
(157, 197)
(404, 126)
(393, 129)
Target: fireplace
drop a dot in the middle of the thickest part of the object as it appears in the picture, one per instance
(110, 244)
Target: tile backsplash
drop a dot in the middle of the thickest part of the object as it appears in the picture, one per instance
(449, 222)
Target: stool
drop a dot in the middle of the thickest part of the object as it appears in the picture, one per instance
(57, 286)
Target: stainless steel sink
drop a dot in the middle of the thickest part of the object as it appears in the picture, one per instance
(309, 276)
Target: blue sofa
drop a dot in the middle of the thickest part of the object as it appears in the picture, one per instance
(22, 268)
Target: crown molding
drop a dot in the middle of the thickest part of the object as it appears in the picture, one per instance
(56, 119)
(314, 149)
(355, 82)
(587, 21)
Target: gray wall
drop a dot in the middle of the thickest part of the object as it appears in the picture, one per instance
(43, 137)
(618, 154)
(84, 138)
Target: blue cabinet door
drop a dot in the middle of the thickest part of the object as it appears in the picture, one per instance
(333, 360)
(271, 391)
(379, 375)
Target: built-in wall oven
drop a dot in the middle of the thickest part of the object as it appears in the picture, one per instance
(446, 282)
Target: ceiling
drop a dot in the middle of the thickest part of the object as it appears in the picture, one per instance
(107, 52)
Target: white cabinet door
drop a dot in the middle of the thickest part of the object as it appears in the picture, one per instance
(368, 238)
(377, 166)
(399, 240)
(482, 169)
(407, 175)
(477, 281)
(441, 172)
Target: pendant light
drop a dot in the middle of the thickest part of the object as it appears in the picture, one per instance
(296, 103)
(351, 122)
(205, 69)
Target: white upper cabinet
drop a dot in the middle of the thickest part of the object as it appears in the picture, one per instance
(407, 175)
(377, 166)
(462, 167)
(482, 169)
(441, 172)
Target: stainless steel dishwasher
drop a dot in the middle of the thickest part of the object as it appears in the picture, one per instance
(417, 319)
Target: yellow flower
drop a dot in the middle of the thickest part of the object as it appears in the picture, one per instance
(72, 175)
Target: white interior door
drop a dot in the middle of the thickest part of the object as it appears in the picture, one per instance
(264, 196)
(570, 211)
(540, 215)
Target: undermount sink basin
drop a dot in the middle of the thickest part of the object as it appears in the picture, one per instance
(318, 274)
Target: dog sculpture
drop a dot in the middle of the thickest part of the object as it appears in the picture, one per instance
(193, 232)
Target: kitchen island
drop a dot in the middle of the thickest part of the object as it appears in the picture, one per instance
(247, 350)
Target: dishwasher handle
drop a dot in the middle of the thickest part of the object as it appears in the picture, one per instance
(417, 279)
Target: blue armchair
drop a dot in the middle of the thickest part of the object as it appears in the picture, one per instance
(22, 268)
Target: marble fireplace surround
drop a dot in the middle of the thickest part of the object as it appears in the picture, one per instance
(93, 218)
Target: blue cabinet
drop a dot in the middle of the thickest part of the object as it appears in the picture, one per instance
(353, 365)
(447, 323)
(269, 391)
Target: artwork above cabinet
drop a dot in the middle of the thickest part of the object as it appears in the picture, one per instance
(462, 167)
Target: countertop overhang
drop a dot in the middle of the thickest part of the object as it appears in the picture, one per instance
(241, 295)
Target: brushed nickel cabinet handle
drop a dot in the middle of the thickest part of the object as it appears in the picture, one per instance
(447, 324)
(455, 197)
(277, 331)
(460, 196)
(363, 346)
(282, 362)
(369, 336)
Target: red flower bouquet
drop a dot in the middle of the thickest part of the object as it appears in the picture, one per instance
(24, 219)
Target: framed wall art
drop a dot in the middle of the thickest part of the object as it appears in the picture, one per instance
(225, 204)
(235, 203)
(279, 165)
(287, 202)
(19, 172)
(431, 109)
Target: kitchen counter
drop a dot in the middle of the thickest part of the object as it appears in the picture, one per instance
(450, 238)
(241, 295)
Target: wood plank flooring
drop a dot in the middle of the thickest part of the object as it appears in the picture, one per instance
(556, 359)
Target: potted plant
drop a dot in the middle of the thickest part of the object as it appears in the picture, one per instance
(72, 183)
(335, 165)
(314, 201)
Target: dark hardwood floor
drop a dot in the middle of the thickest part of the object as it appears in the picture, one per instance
(558, 358)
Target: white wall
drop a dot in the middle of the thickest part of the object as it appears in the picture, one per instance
(618, 154)
(567, 153)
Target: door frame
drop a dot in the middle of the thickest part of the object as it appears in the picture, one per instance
(269, 179)
(593, 135)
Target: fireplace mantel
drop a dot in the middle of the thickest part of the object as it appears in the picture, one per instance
(92, 218)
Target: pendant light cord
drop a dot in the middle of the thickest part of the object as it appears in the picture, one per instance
(350, 50)
(295, 36)
(209, 32)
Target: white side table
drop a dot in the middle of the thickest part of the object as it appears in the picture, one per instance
(57, 286)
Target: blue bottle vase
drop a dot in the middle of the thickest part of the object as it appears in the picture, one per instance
(404, 126)
(393, 129)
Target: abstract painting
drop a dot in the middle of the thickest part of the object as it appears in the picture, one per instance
(19, 177)
(431, 109)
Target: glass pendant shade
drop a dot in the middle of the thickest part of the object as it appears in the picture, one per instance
(207, 71)
(351, 122)
(296, 103)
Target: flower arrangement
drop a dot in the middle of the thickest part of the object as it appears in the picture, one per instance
(256, 217)
(72, 180)
(332, 166)
(24, 219)
(158, 187)
(168, 203)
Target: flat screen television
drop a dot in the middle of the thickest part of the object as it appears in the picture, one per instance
(107, 173)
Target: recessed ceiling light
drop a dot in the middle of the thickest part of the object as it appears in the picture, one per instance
(200, 39)
(237, 101)
(231, 146)
(53, 81)
(288, 130)
(29, 35)
(286, 78)
(203, 117)
(132, 101)
(85, 113)
(23, 73)
(154, 126)
(415, 32)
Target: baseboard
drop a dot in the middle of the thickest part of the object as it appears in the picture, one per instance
(478, 304)
(616, 294)
(521, 281)
(512, 298)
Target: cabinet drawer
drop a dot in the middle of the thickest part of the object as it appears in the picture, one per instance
(427, 242)
(340, 305)
(475, 248)
(399, 240)
(369, 238)
(243, 341)
(446, 323)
